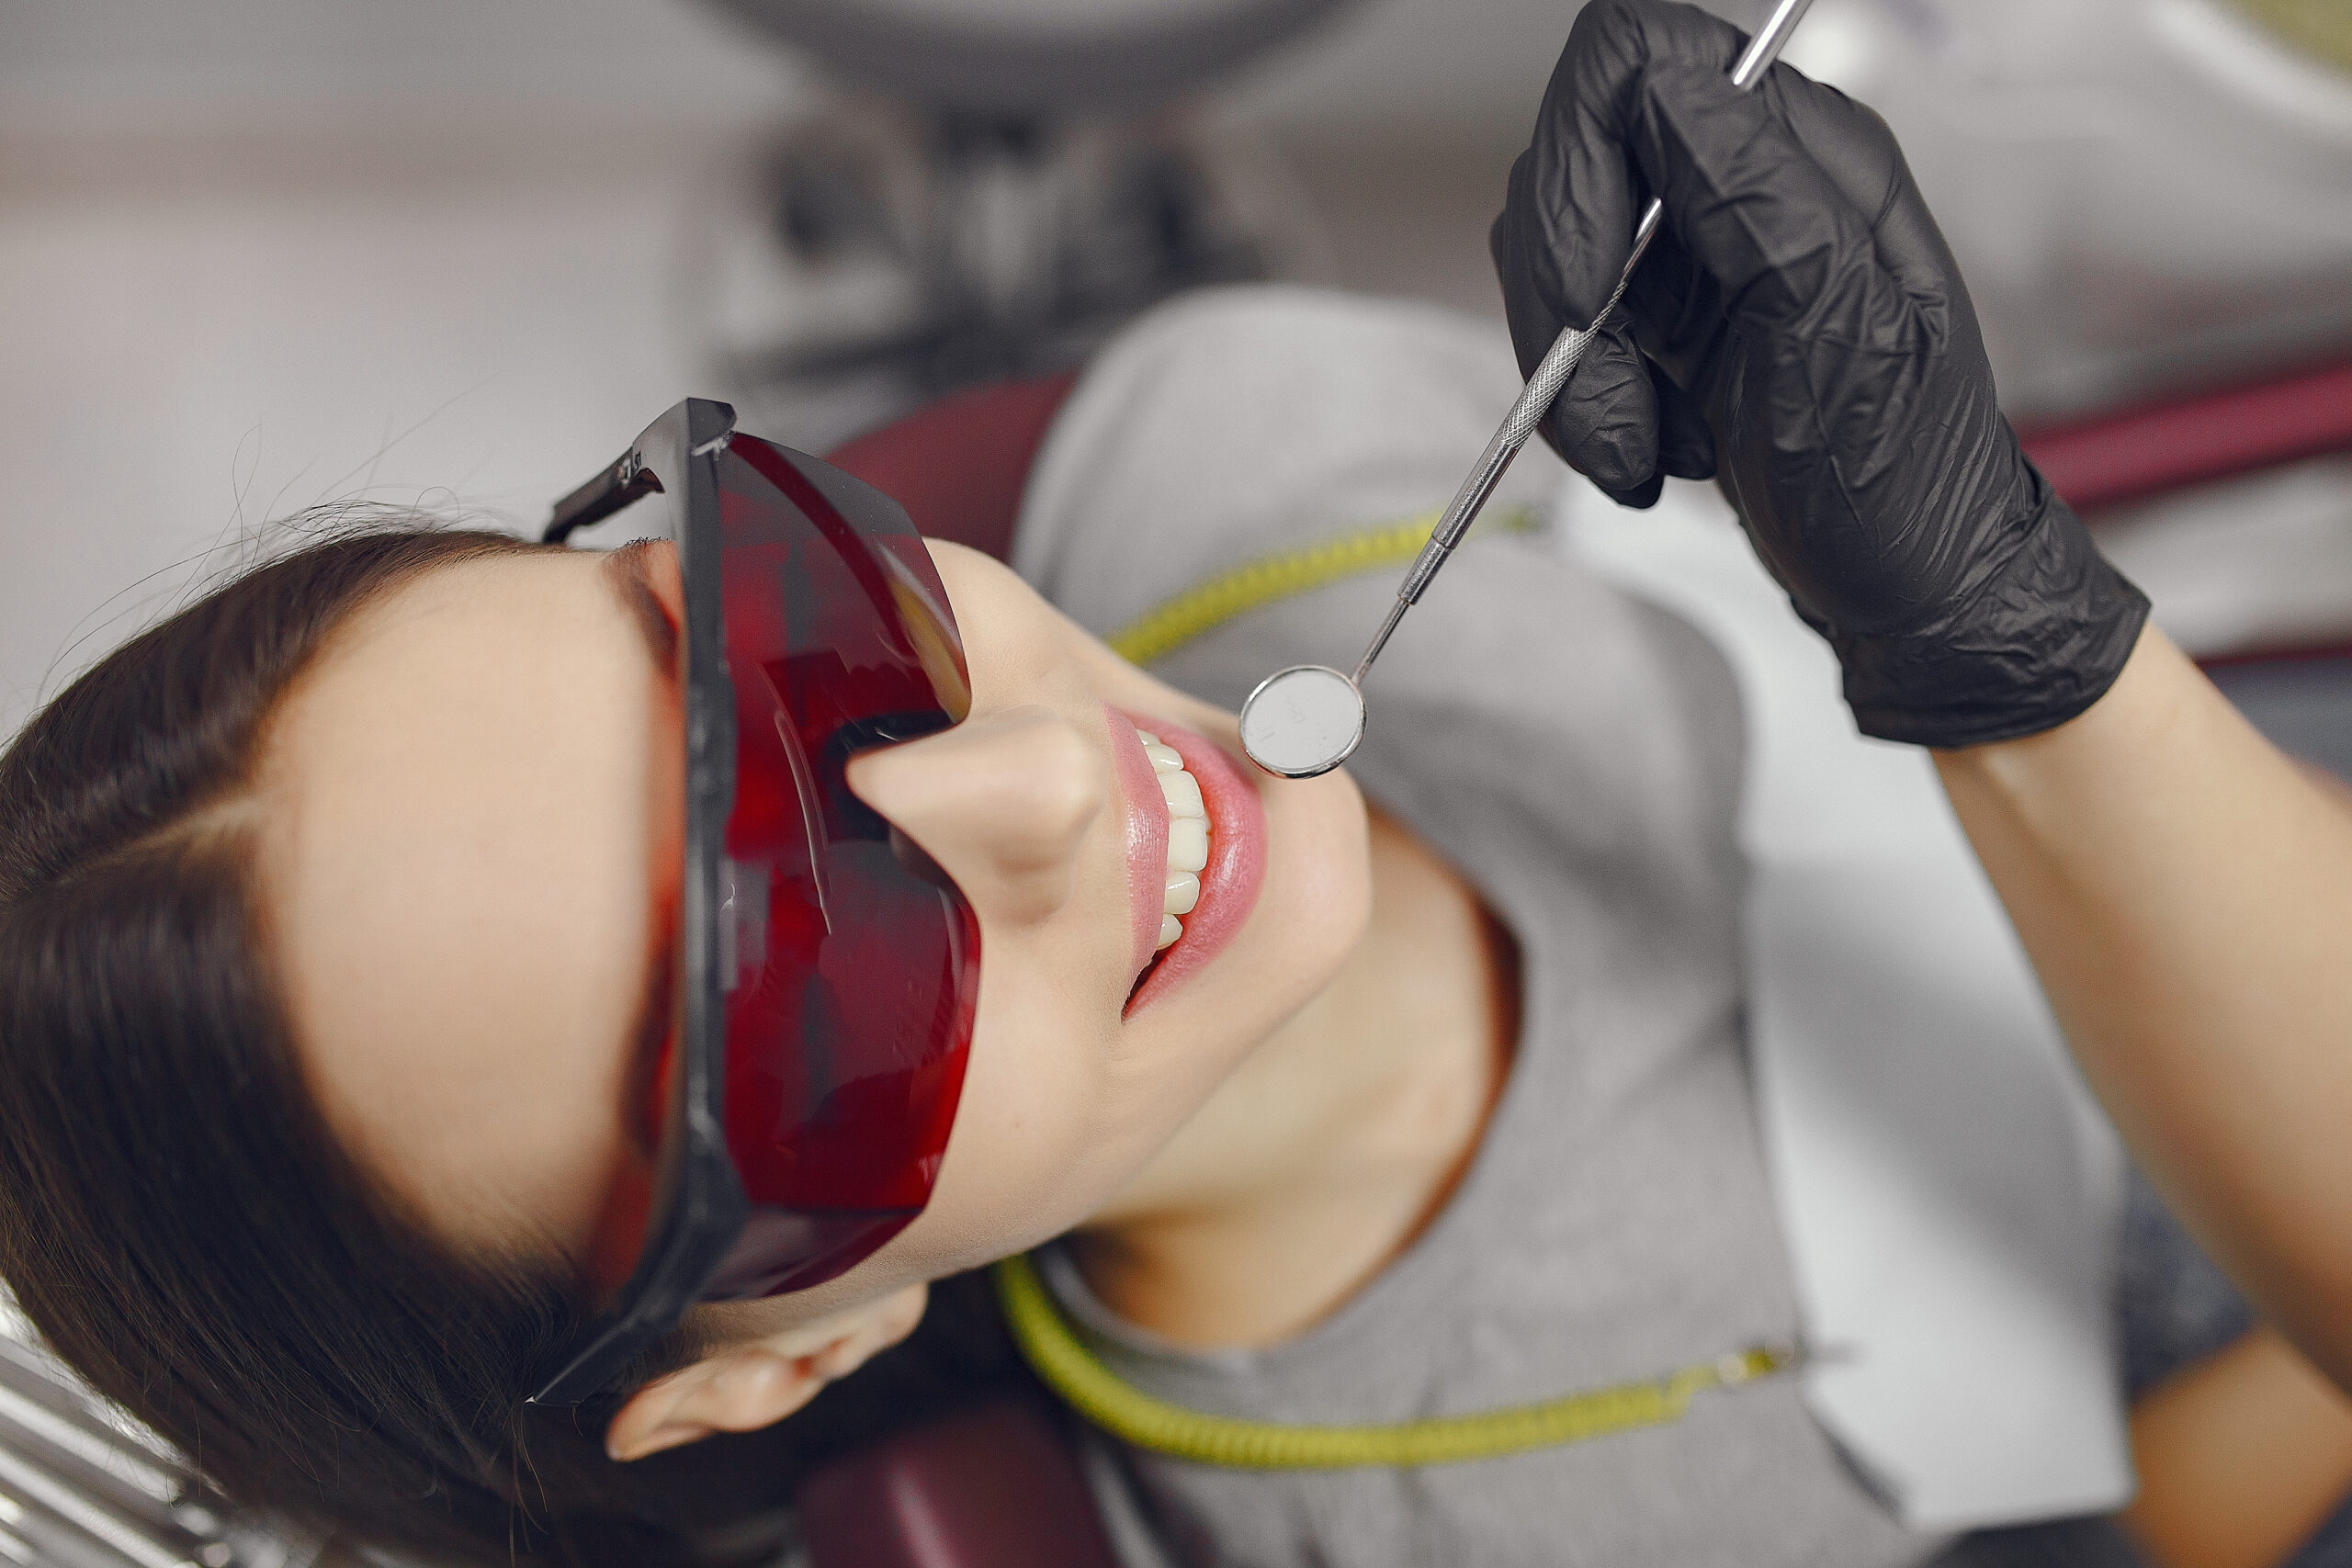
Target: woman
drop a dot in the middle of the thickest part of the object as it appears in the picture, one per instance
(334, 916)
(333, 907)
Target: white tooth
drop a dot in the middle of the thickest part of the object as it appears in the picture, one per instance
(1188, 843)
(1183, 892)
(1170, 927)
(1183, 794)
(1147, 737)
(1163, 758)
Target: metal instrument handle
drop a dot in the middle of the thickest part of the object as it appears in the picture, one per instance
(1558, 364)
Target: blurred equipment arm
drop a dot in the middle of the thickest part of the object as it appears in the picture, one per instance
(1802, 335)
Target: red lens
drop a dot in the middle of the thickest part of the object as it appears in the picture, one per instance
(851, 963)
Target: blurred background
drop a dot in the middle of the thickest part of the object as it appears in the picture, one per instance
(262, 255)
(259, 255)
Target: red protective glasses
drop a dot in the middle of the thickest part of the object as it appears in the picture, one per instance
(826, 969)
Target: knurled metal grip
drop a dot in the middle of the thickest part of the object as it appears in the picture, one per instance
(1534, 401)
(1558, 364)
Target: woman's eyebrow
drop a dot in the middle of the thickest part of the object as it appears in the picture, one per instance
(624, 573)
(641, 1094)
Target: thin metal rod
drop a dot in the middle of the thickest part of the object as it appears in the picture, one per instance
(1766, 46)
(1559, 363)
(1379, 639)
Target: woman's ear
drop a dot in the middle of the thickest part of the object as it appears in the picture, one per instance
(744, 1385)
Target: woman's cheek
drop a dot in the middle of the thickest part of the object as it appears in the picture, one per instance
(1029, 1131)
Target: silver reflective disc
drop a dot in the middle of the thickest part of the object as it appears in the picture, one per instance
(1302, 721)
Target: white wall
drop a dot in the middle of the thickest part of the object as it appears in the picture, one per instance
(73, 63)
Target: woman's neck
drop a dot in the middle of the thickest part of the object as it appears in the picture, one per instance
(1339, 1140)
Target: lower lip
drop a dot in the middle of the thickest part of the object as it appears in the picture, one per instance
(1237, 865)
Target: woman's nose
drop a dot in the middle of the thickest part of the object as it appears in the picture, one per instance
(1001, 802)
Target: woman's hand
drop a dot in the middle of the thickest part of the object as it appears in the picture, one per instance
(1800, 333)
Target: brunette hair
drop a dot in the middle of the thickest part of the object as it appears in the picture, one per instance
(179, 1223)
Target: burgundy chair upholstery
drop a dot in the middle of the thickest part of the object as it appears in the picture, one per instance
(2219, 433)
(959, 466)
(2168, 445)
(993, 1487)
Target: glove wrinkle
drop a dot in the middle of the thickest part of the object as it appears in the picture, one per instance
(1686, 447)
(1774, 231)
(2037, 644)
(1800, 332)
(1611, 422)
(1604, 424)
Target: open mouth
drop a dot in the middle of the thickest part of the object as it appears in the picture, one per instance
(1186, 847)
(1188, 838)
(1197, 854)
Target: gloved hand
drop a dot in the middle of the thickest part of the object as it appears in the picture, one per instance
(1799, 332)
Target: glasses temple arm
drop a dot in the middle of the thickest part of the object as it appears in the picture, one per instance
(608, 492)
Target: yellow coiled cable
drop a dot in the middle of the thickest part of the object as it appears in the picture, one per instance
(1096, 1392)
(1286, 575)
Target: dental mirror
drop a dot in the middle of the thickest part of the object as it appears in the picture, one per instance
(1302, 721)
(1309, 718)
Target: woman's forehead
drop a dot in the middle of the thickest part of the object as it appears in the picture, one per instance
(456, 874)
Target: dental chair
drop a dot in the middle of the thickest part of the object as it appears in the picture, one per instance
(81, 1487)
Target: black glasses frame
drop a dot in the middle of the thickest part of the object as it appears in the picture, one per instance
(698, 1204)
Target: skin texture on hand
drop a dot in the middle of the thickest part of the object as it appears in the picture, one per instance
(2241, 1457)
(1800, 333)
(2184, 892)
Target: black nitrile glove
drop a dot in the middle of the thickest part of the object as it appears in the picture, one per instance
(1799, 332)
